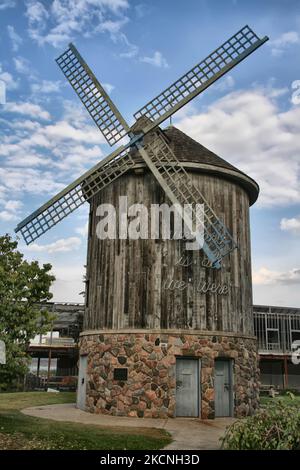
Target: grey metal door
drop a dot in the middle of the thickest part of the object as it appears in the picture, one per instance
(81, 388)
(187, 387)
(223, 388)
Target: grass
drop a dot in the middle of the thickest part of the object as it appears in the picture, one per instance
(18, 431)
(266, 400)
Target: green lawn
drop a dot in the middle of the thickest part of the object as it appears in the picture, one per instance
(18, 431)
(265, 400)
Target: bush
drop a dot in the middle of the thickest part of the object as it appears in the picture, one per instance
(273, 428)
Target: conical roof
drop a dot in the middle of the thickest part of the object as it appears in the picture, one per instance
(197, 157)
(187, 149)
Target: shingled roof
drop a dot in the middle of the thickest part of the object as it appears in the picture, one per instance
(187, 149)
(192, 152)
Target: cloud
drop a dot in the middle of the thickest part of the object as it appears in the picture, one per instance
(62, 20)
(69, 283)
(7, 4)
(46, 86)
(112, 27)
(108, 87)
(6, 216)
(157, 60)
(291, 225)
(248, 129)
(16, 40)
(11, 210)
(13, 205)
(27, 109)
(227, 83)
(22, 65)
(8, 79)
(60, 246)
(29, 180)
(282, 42)
(83, 230)
(62, 130)
(131, 50)
(264, 276)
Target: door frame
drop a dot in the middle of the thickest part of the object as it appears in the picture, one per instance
(198, 359)
(230, 363)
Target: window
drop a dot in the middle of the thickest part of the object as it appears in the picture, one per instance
(273, 338)
(120, 373)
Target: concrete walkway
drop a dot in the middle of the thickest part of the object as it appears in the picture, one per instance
(192, 434)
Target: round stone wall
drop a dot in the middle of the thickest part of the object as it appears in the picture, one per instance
(149, 360)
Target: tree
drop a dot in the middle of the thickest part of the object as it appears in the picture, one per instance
(23, 286)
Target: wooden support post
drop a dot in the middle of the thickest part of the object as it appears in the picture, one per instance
(38, 367)
(285, 374)
(49, 366)
(49, 359)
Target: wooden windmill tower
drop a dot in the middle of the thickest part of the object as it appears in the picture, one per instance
(165, 331)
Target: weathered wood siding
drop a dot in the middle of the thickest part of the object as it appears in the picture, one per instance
(127, 278)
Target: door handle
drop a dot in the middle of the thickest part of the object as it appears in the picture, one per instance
(82, 381)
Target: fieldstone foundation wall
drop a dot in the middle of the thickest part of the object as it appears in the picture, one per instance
(150, 358)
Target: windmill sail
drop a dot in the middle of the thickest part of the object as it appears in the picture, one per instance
(93, 96)
(179, 187)
(74, 195)
(200, 77)
(156, 153)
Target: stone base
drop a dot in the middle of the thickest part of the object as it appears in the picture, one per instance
(150, 360)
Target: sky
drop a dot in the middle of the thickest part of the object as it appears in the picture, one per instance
(251, 117)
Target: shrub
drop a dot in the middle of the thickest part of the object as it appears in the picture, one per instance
(273, 428)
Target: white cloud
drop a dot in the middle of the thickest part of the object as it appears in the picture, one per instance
(83, 230)
(22, 65)
(284, 40)
(248, 129)
(7, 4)
(291, 225)
(62, 130)
(69, 283)
(112, 27)
(6, 216)
(108, 87)
(265, 276)
(8, 79)
(29, 180)
(13, 205)
(225, 84)
(157, 60)
(11, 210)
(46, 86)
(27, 109)
(60, 246)
(131, 50)
(16, 40)
(59, 21)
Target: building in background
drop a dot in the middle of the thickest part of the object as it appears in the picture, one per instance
(278, 330)
(56, 357)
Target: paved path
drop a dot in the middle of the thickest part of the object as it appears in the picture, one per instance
(193, 434)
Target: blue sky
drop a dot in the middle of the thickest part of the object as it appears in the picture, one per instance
(137, 48)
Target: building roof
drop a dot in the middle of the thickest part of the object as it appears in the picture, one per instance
(187, 149)
(198, 157)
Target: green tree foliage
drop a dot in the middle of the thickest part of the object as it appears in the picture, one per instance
(23, 285)
(277, 427)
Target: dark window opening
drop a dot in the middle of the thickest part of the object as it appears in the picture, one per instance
(120, 373)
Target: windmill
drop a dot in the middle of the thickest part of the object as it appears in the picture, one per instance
(156, 153)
